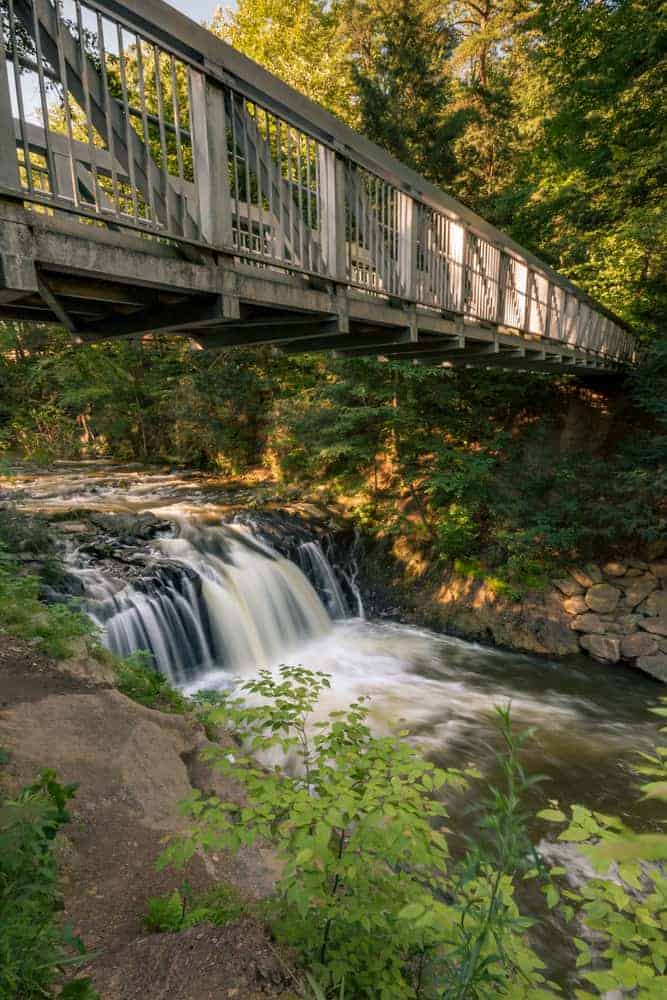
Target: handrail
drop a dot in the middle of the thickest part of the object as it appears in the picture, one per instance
(149, 109)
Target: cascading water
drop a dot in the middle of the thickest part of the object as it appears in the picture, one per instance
(217, 597)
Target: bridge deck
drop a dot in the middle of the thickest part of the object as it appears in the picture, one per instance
(153, 179)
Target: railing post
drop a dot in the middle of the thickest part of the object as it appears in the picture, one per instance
(9, 171)
(210, 154)
(332, 183)
(408, 220)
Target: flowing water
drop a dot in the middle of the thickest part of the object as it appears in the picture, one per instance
(218, 600)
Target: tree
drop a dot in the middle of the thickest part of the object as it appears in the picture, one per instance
(398, 51)
(297, 40)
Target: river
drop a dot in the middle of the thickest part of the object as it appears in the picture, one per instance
(226, 586)
(215, 600)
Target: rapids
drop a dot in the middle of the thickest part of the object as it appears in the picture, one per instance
(221, 601)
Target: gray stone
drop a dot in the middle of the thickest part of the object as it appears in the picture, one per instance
(639, 644)
(575, 605)
(628, 623)
(594, 572)
(588, 623)
(602, 647)
(656, 626)
(614, 569)
(656, 666)
(655, 549)
(638, 589)
(602, 597)
(633, 571)
(582, 577)
(656, 604)
(568, 587)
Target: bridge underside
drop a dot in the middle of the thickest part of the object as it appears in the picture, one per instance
(102, 284)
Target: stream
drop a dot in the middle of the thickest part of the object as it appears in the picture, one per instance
(229, 587)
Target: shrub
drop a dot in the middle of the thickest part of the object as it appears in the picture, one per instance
(34, 949)
(368, 895)
(53, 626)
(137, 679)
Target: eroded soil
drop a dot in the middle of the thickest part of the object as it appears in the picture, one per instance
(132, 766)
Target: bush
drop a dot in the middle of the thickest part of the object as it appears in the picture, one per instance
(137, 679)
(53, 626)
(34, 950)
(367, 894)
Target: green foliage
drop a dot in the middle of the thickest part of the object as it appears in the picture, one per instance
(623, 906)
(34, 950)
(357, 823)
(137, 678)
(182, 909)
(53, 627)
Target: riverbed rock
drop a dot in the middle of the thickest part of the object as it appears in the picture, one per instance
(659, 569)
(588, 623)
(575, 605)
(568, 587)
(656, 626)
(656, 666)
(602, 647)
(614, 569)
(628, 623)
(602, 597)
(638, 644)
(638, 589)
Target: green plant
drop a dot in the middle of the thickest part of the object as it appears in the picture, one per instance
(621, 910)
(34, 949)
(357, 823)
(55, 627)
(137, 678)
(183, 908)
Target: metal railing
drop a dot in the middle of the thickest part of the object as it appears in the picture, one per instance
(141, 120)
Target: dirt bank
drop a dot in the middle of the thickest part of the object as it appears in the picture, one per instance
(132, 765)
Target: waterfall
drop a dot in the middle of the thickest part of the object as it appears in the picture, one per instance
(217, 597)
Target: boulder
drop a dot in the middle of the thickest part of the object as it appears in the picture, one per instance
(656, 604)
(614, 569)
(575, 605)
(656, 666)
(588, 623)
(638, 644)
(656, 626)
(594, 572)
(637, 589)
(634, 571)
(602, 647)
(659, 569)
(628, 623)
(602, 597)
(582, 577)
(655, 549)
(568, 587)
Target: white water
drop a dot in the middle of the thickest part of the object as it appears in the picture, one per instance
(218, 598)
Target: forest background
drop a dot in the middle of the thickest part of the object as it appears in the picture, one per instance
(547, 117)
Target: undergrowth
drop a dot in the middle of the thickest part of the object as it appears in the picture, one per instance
(369, 896)
(184, 908)
(36, 952)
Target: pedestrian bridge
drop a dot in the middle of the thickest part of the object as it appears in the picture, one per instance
(153, 179)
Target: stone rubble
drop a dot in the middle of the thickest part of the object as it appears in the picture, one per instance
(619, 612)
